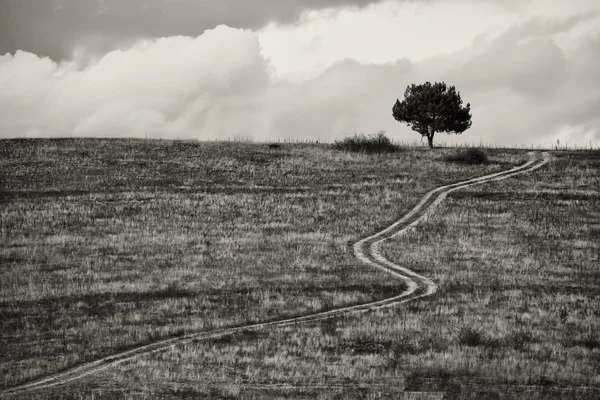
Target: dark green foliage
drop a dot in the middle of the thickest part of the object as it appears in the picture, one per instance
(431, 108)
(376, 143)
(469, 156)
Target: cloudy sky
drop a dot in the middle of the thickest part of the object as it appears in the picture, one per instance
(320, 69)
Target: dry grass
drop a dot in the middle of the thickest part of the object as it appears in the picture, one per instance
(516, 315)
(108, 244)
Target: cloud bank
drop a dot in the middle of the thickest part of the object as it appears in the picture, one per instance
(523, 87)
(55, 28)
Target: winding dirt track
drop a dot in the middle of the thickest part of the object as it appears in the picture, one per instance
(366, 250)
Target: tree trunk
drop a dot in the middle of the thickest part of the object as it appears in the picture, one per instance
(430, 140)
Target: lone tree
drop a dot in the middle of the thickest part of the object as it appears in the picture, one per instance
(433, 108)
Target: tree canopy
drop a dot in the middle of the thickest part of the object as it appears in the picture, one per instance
(431, 108)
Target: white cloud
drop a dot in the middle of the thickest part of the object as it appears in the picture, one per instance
(170, 86)
(382, 32)
(523, 86)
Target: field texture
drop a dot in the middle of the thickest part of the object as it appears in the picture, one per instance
(516, 314)
(109, 244)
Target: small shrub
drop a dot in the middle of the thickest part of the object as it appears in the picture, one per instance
(469, 336)
(563, 314)
(469, 156)
(378, 143)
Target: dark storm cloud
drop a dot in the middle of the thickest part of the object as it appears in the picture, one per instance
(55, 28)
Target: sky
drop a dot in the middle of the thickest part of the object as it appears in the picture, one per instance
(298, 69)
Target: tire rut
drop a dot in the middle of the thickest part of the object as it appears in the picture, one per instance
(367, 250)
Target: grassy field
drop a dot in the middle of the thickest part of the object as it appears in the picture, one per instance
(108, 244)
(516, 314)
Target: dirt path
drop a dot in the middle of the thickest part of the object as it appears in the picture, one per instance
(366, 250)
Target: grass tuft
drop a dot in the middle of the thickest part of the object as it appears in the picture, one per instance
(590, 341)
(518, 340)
(173, 290)
(470, 336)
(469, 156)
(328, 326)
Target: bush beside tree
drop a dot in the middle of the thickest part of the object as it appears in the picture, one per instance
(376, 143)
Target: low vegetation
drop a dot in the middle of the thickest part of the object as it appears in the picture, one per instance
(108, 244)
(470, 156)
(515, 316)
(369, 144)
